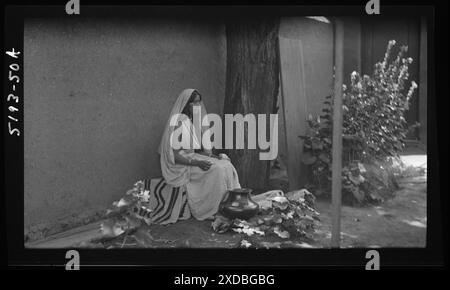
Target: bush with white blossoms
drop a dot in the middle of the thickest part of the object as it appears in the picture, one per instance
(374, 125)
(375, 106)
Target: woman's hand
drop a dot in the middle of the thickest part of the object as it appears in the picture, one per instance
(203, 164)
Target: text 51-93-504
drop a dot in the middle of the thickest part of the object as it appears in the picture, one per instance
(13, 98)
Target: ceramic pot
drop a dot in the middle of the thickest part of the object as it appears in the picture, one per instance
(238, 203)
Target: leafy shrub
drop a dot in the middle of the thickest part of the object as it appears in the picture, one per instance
(374, 129)
(289, 217)
(125, 218)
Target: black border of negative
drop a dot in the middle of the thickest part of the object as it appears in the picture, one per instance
(435, 255)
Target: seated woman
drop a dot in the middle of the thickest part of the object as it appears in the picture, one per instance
(206, 177)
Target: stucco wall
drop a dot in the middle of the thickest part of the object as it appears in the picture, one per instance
(97, 94)
(317, 41)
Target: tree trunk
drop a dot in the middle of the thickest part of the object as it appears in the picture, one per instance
(252, 83)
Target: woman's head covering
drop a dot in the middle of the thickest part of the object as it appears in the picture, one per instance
(175, 174)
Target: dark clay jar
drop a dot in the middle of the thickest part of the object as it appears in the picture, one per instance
(238, 203)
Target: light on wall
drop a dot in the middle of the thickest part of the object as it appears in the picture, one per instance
(319, 18)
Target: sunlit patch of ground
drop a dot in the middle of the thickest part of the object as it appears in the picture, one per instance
(418, 160)
(398, 222)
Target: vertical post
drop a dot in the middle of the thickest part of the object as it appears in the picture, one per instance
(337, 133)
(423, 63)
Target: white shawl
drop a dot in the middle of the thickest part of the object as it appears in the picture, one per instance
(176, 174)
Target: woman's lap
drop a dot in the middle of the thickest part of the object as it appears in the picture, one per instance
(207, 188)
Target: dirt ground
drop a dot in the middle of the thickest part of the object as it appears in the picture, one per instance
(398, 222)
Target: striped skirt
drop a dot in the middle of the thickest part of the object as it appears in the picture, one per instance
(168, 204)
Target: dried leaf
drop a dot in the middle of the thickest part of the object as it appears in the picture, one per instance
(304, 245)
(265, 204)
(111, 228)
(244, 227)
(245, 244)
(280, 199)
(221, 224)
(127, 200)
(249, 231)
(280, 202)
(281, 233)
(300, 195)
(132, 192)
(277, 218)
(145, 196)
(287, 216)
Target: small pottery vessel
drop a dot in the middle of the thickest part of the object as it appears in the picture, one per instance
(238, 203)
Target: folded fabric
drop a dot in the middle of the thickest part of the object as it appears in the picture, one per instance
(168, 203)
(264, 200)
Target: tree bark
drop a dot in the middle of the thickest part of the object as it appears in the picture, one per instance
(252, 84)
